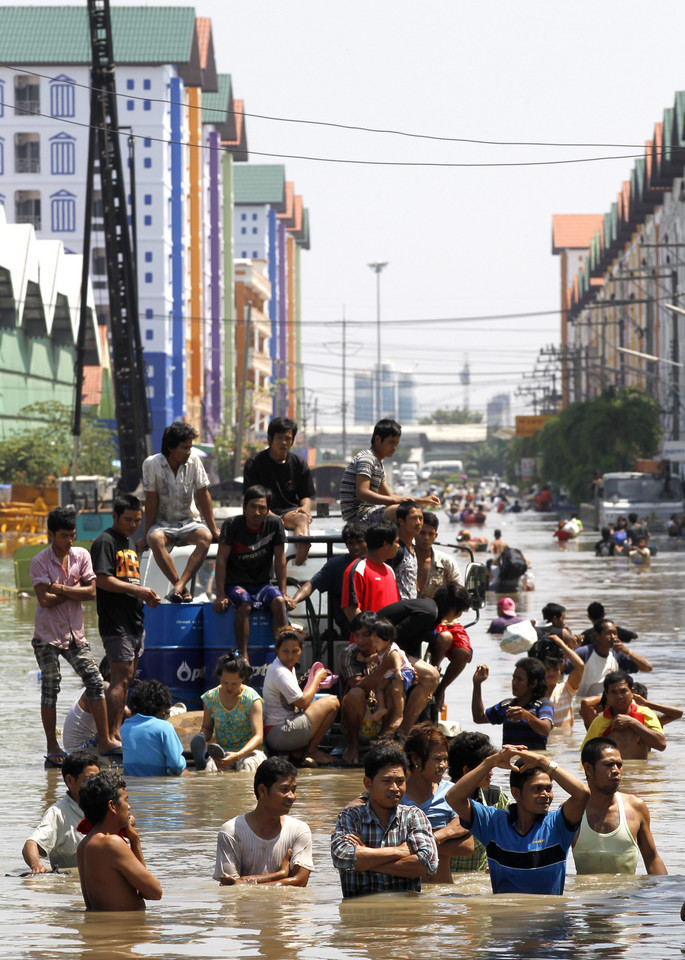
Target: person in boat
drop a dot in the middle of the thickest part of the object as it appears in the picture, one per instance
(267, 845)
(383, 844)
(435, 568)
(150, 743)
(466, 751)
(364, 493)
(527, 845)
(295, 722)
(176, 487)
(635, 729)
(111, 865)
(615, 825)
(56, 836)
(233, 715)
(249, 546)
(527, 717)
(506, 616)
(289, 479)
(63, 579)
(426, 752)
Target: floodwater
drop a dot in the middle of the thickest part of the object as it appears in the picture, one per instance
(43, 917)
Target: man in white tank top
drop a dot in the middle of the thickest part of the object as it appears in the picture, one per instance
(615, 826)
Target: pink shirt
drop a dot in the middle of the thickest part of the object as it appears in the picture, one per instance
(56, 625)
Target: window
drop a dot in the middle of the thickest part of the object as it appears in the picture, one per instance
(255, 254)
(243, 255)
(147, 220)
(149, 313)
(147, 200)
(147, 142)
(243, 216)
(255, 230)
(62, 154)
(147, 105)
(147, 162)
(63, 212)
(130, 84)
(148, 256)
(254, 216)
(147, 84)
(27, 207)
(27, 153)
(26, 95)
(62, 97)
(130, 104)
(148, 278)
(243, 230)
(149, 334)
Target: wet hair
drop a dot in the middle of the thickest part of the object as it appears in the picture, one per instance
(257, 492)
(287, 633)
(497, 534)
(125, 501)
(353, 530)
(468, 749)
(593, 749)
(61, 518)
(518, 777)
(75, 763)
(552, 610)
(280, 425)
(546, 650)
(404, 508)
(618, 676)
(378, 534)
(595, 610)
(272, 770)
(386, 428)
(535, 671)
(150, 697)
(430, 519)
(176, 434)
(452, 597)
(366, 620)
(232, 662)
(421, 739)
(384, 630)
(599, 625)
(96, 793)
(381, 756)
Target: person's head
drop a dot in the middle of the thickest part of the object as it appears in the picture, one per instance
(103, 794)
(361, 631)
(595, 610)
(428, 533)
(497, 535)
(606, 533)
(179, 438)
(605, 634)
(467, 750)
(632, 517)
(550, 654)
(383, 634)
(621, 523)
(151, 698)
(232, 671)
(283, 426)
(77, 767)
(354, 538)
(409, 518)
(126, 514)
(275, 784)
(532, 790)
(288, 646)
(256, 504)
(426, 751)
(641, 543)
(385, 438)
(61, 525)
(555, 613)
(382, 536)
(618, 691)
(385, 775)
(506, 607)
(452, 600)
(603, 765)
(528, 681)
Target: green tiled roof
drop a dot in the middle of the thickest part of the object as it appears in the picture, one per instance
(261, 183)
(215, 106)
(37, 35)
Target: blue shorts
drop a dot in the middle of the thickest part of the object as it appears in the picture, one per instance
(261, 600)
(408, 678)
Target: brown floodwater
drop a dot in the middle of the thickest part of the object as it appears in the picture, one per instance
(612, 917)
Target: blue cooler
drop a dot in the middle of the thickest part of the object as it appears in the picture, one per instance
(219, 638)
(173, 650)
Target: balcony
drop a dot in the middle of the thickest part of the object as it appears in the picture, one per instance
(28, 106)
(32, 218)
(27, 164)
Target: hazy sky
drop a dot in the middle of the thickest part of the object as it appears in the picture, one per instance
(460, 241)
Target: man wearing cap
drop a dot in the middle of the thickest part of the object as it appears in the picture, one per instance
(506, 616)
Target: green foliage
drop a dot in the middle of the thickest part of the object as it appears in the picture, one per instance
(487, 457)
(44, 450)
(605, 434)
(453, 415)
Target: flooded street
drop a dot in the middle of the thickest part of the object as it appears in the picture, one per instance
(43, 917)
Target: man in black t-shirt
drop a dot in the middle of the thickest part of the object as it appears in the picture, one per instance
(288, 478)
(249, 545)
(120, 599)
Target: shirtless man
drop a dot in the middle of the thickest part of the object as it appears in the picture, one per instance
(113, 874)
(615, 825)
(635, 729)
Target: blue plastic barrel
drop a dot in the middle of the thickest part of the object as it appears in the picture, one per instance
(173, 650)
(219, 638)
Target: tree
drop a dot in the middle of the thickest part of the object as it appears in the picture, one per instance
(453, 415)
(44, 451)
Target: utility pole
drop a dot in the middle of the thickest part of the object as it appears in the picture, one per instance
(377, 266)
(675, 357)
(240, 428)
(344, 382)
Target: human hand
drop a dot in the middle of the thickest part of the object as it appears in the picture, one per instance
(148, 596)
(39, 868)
(289, 602)
(285, 863)
(227, 761)
(220, 606)
(515, 714)
(353, 838)
(481, 673)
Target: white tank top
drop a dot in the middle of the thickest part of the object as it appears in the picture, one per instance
(79, 729)
(614, 852)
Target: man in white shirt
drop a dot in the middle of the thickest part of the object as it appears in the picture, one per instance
(267, 845)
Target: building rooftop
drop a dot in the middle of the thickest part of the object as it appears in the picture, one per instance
(261, 183)
(574, 231)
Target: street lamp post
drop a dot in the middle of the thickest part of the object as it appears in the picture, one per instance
(377, 266)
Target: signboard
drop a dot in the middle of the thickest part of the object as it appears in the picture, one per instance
(529, 426)
(674, 450)
(527, 469)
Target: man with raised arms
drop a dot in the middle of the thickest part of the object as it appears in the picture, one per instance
(113, 874)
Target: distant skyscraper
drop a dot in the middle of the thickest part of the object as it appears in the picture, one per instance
(398, 395)
(363, 396)
(499, 411)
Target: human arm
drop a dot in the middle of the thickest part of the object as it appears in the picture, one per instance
(477, 709)
(459, 796)
(207, 728)
(579, 793)
(285, 876)
(130, 863)
(642, 663)
(665, 712)
(221, 602)
(304, 591)
(310, 691)
(542, 725)
(381, 497)
(48, 595)
(173, 751)
(54, 594)
(151, 509)
(253, 743)
(578, 664)
(653, 863)
(417, 856)
(113, 585)
(203, 500)
(31, 854)
(280, 573)
(649, 733)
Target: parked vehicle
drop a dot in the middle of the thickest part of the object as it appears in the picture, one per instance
(652, 496)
